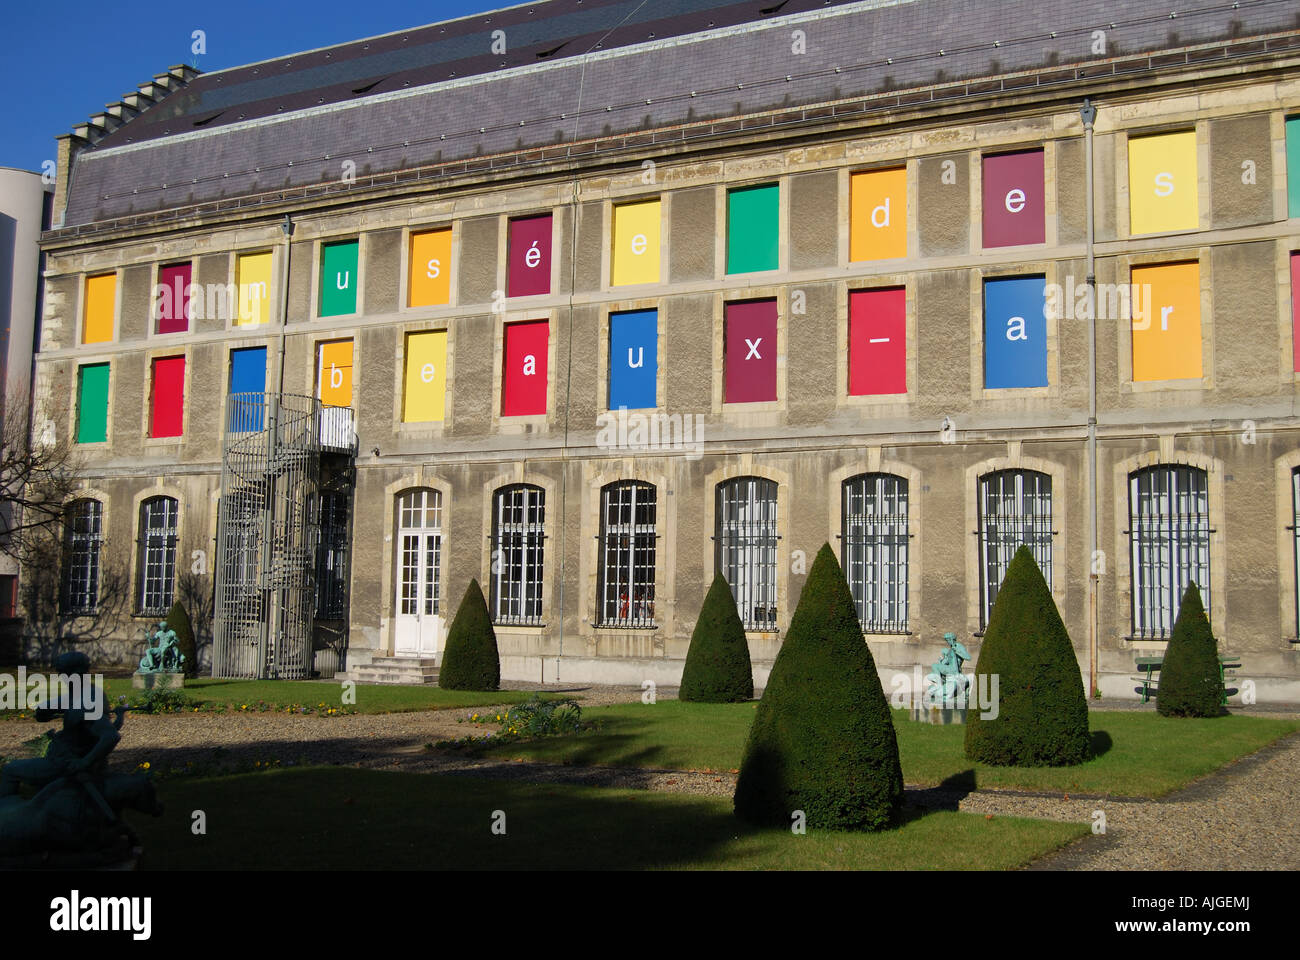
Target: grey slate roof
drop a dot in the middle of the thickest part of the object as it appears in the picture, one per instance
(415, 116)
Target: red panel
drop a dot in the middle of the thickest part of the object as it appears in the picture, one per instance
(523, 382)
(1014, 206)
(167, 412)
(174, 298)
(877, 342)
(529, 257)
(1295, 308)
(751, 351)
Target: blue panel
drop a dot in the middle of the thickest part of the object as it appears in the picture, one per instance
(633, 359)
(248, 375)
(1015, 333)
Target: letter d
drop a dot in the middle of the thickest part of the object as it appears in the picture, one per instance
(883, 208)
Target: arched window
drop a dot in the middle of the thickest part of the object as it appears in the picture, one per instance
(626, 588)
(1015, 509)
(83, 534)
(518, 554)
(1169, 537)
(156, 556)
(745, 544)
(874, 549)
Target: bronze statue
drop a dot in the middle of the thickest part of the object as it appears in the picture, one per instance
(75, 816)
(164, 656)
(948, 687)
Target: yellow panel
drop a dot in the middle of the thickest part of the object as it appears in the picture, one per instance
(253, 279)
(426, 377)
(878, 228)
(430, 276)
(1162, 183)
(101, 299)
(1167, 328)
(334, 373)
(636, 243)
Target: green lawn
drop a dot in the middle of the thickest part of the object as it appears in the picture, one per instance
(1140, 754)
(370, 698)
(324, 819)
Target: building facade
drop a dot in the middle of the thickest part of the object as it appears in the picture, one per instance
(590, 323)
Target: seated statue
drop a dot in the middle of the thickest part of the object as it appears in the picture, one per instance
(947, 685)
(164, 656)
(75, 815)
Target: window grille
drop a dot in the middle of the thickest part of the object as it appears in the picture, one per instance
(874, 550)
(1015, 508)
(1169, 536)
(518, 550)
(83, 535)
(332, 557)
(745, 544)
(626, 588)
(157, 555)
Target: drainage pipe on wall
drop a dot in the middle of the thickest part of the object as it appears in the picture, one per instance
(1088, 113)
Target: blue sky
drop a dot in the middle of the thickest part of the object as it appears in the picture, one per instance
(63, 62)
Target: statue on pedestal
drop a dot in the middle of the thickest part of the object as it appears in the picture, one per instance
(164, 653)
(947, 686)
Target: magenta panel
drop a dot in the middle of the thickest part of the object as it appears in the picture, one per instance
(1014, 206)
(174, 298)
(750, 338)
(529, 257)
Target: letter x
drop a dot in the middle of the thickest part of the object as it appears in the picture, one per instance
(753, 348)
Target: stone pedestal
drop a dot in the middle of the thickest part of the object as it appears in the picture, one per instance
(157, 681)
(943, 716)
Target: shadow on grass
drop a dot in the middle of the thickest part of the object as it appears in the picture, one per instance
(337, 819)
(1100, 743)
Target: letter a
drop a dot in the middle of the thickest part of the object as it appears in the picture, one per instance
(530, 365)
(1016, 324)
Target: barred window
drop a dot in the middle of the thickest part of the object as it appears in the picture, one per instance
(518, 552)
(156, 552)
(626, 588)
(419, 531)
(332, 557)
(873, 545)
(82, 536)
(745, 543)
(1015, 509)
(1169, 536)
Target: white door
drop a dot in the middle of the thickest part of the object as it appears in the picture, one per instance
(419, 626)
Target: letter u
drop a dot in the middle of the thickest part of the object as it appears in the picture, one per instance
(342, 280)
(640, 357)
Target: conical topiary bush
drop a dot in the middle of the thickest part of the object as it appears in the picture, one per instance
(1042, 713)
(179, 621)
(717, 666)
(470, 660)
(823, 739)
(1190, 684)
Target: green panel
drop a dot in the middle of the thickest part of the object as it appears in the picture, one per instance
(338, 279)
(753, 228)
(1293, 166)
(92, 403)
